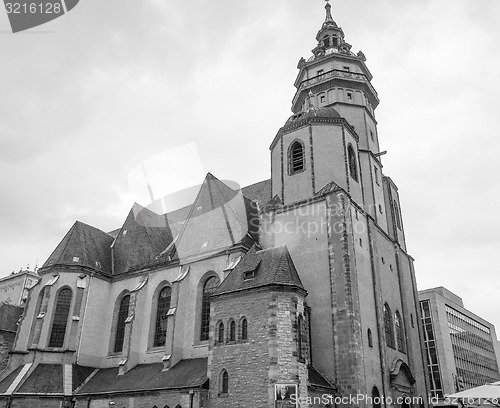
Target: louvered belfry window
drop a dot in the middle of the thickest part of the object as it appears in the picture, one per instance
(209, 288)
(296, 157)
(60, 322)
(120, 324)
(389, 329)
(164, 298)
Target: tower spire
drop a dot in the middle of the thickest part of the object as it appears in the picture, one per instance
(328, 18)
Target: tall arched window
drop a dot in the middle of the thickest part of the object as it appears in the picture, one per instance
(376, 401)
(353, 167)
(397, 215)
(400, 332)
(209, 288)
(389, 329)
(297, 158)
(220, 333)
(162, 308)
(120, 324)
(300, 324)
(60, 322)
(244, 329)
(224, 382)
(232, 331)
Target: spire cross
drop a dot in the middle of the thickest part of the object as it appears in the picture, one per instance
(328, 8)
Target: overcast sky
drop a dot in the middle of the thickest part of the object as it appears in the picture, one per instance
(88, 97)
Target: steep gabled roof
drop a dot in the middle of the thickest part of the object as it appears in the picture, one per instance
(143, 236)
(259, 192)
(219, 218)
(268, 267)
(83, 246)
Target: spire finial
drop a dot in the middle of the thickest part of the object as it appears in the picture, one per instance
(328, 7)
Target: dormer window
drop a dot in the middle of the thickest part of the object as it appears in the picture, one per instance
(296, 157)
(247, 275)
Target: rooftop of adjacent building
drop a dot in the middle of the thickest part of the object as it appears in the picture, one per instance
(21, 273)
(445, 297)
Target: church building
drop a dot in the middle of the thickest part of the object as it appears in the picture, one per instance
(296, 291)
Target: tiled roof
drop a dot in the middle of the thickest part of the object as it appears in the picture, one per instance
(84, 246)
(259, 192)
(9, 316)
(317, 379)
(46, 379)
(79, 375)
(143, 236)
(191, 373)
(9, 379)
(219, 218)
(272, 266)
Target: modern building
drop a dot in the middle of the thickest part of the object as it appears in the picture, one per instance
(294, 289)
(460, 346)
(14, 287)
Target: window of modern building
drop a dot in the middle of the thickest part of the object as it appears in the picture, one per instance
(388, 326)
(244, 329)
(400, 332)
(60, 321)
(120, 324)
(232, 331)
(353, 166)
(163, 305)
(224, 382)
(208, 288)
(297, 162)
(370, 339)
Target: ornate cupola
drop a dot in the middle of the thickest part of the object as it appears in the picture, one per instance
(330, 36)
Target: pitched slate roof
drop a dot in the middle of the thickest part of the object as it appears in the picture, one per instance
(83, 246)
(191, 373)
(45, 378)
(9, 379)
(317, 379)
(259, 192)
(219, 218)
(273, 266)
(143, 236)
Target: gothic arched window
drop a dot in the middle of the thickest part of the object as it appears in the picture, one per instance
(400, 332)
(353, 167)
(376, 401)
(297, 157)
(120, 324)
(397, 215)
(244, 329)
(232, 331)
(209, 288)
(220, 333)
(60, 321)
(224, 382)
(162, 308)
(389, 329)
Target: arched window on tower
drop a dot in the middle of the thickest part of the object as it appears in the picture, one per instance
(296, 157)
(163, 305)
(224, 382)
(209, 288)
(376, 401)
(397, 215)
(326, 41)
(353, 167)
(244, 329)
(120, 324)
(220, 333)
(400, 333)
(389, 328)
(300, 328)
(60, 321)
(232, 331)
